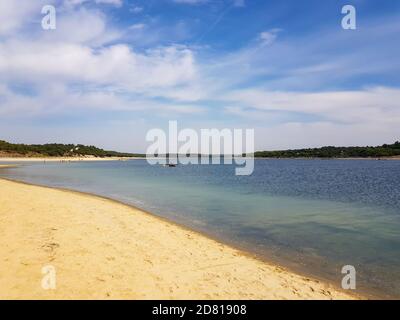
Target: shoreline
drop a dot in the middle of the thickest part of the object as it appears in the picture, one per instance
(295, 283)
(65, 159)
(316, 158)
(88, 159)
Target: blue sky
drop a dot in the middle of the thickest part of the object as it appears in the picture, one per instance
(113, 69)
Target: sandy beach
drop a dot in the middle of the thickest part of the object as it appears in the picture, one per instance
(102, 249)
(61, 159)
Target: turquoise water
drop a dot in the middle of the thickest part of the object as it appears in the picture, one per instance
(311, 215)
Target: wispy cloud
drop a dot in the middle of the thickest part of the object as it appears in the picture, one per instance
(268, 37)
(361, 106)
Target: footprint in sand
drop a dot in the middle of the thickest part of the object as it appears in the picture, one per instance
(50, 247)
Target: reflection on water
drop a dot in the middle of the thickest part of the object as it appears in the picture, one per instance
(311, 214)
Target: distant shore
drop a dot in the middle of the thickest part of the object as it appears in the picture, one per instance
(77, 159)
(64, 159)
(332, 158)
(103, 249)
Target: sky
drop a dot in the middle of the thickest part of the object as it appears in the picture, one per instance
(114, 69)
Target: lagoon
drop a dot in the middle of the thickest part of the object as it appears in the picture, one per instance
(314, 216)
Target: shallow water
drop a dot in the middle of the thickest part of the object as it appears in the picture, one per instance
(314, 215)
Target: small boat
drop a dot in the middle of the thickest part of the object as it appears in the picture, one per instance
(171, 165)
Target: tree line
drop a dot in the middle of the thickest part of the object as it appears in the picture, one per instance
(59, 150)
(386, 150)
(72, 150)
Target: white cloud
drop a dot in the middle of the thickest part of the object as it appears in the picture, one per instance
(58, 99)
(38, 63)
(376, 105)
(84, 26)
(15, 14)
(268, 37)
(109, 77)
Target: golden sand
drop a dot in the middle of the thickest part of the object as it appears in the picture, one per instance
(102, 249)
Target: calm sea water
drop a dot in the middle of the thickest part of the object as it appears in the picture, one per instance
(313, 215)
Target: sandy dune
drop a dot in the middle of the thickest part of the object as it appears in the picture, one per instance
(105, 250)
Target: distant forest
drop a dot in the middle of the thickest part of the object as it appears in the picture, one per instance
(57, 150)
(71, 150)
(386, 150)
